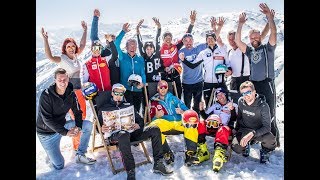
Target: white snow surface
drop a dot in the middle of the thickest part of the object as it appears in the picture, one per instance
(238, 167)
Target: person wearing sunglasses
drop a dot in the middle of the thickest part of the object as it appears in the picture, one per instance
(97, 68)
(253, 123)
(115, 101)
(107, 49)
(165, 112)
(69, 61)
(169, 54)
(219, 122)
(262, 58)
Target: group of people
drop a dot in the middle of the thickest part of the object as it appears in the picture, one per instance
(196, 71)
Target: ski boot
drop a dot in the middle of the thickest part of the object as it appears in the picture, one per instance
(219, 158)
(159, 168)
(264, 155)
(168, 157)
(191, 158)
(202, 152)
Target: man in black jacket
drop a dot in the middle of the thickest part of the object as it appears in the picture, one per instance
(253, 123)
(116, 101)
(51, 124)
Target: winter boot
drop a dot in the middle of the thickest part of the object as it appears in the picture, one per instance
(219, 158)
(168, 157)
(202, 152)
(191, 158)
(159, 167)
(246, 152)
(131, 175)
(264, 155)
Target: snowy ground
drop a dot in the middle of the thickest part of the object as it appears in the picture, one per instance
(238, 167)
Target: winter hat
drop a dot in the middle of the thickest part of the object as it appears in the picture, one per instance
(221, 89)
(118, 86)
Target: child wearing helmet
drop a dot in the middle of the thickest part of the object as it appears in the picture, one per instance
(219, 119)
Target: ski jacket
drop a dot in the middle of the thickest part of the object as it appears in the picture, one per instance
(97, 70)
(255, 117)
(169, 53)
(129, 65)
(192, 74)
(94, 36)
(53, 109)
(168, 105)
(111, 105)
(212, 58)
(261, 62)
(227, 117)
(153, 64)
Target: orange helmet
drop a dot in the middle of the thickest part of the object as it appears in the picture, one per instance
(213, 121)
(190, 117)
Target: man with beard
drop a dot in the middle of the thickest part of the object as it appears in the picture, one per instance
(261, 58)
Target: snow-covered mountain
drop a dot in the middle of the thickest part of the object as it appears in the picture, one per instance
(238, 168)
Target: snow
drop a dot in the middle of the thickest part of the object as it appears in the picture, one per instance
(238, 167)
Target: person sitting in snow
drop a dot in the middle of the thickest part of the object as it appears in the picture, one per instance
(219, 120)
(117, 101)
(165, 112)
(51, 124)
(253, 123)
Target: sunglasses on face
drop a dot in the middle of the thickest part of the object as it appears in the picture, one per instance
(96, 48)
(212, 124)
(118, 93)
(189, 125)
(247, 93)
(163, 87)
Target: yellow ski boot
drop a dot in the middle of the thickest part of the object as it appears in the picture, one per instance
(202, 152)
(219, 158)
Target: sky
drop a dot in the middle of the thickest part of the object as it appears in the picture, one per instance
(71, 12)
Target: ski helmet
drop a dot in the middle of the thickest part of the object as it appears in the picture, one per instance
(96, 45)
(134, 80)
(220, 69)
(89, 90)
(190, 117)
(213, 121)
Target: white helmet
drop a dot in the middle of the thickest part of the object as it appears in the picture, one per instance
(134, 80)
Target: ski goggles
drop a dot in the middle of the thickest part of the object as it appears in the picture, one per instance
(190, 125)
(246, 93)
(118, 93)
(212, 124)
(96, 48)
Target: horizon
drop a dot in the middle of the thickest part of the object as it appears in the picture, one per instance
(47, 16)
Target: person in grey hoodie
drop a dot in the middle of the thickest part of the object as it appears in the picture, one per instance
(253, 123)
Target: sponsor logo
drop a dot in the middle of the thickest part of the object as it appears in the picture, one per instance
(248, 113)
(102, 64)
